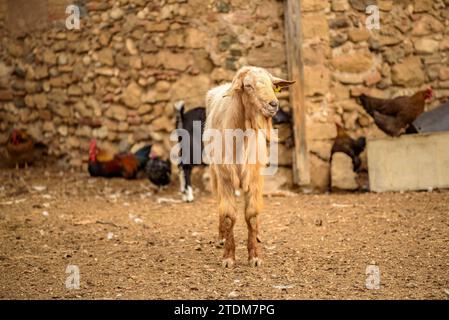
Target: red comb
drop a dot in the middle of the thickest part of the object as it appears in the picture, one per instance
(92, 149)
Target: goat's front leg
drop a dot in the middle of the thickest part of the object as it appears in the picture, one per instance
(227, 212)
(253, 206)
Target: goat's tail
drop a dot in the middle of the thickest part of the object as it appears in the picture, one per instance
(179, 107)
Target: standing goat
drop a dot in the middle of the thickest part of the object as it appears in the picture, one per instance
(248, 103)
(186, 121)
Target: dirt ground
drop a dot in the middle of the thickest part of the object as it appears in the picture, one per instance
(127, 245)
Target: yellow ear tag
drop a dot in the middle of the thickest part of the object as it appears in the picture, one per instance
(277, 89)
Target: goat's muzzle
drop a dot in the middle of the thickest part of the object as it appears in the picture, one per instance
(271, 108)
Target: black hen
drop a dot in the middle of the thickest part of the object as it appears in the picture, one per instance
(158, 171)
(344, 143)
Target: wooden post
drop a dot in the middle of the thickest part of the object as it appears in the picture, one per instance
(24, 16)
(293, 39)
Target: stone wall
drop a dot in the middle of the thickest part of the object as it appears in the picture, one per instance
(117, 78)
(342, 59)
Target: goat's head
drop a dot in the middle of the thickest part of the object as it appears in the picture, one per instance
(257, 88)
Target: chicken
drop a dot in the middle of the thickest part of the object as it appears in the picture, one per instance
(158, 171)
(126, 164)
(393, 116)
(22, 149)
(344, 143)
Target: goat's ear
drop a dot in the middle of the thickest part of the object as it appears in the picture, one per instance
(281, 83)
(236, 84)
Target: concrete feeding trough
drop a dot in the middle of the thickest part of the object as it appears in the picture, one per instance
(410, 162)
(433, 120)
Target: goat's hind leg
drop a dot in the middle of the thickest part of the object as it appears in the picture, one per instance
(227, 212)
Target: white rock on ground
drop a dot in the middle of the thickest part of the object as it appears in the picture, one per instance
(342, 174)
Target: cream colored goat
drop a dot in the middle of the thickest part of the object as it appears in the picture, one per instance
(248, 102)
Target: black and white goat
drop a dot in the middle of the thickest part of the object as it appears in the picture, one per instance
(192, 122)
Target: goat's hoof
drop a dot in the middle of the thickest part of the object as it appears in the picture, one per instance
(188, 195)
(255, 262)
(227, 263)
(187, 198)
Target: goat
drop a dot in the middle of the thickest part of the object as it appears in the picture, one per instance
(185, 120)
(247, 103)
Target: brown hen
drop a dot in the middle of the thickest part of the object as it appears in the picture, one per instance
(22, 149)
(393, 116)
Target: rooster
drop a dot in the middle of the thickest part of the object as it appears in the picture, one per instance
(158, 171)
(22, 149)
(393, 116)
(344, 143)
(125, 164)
